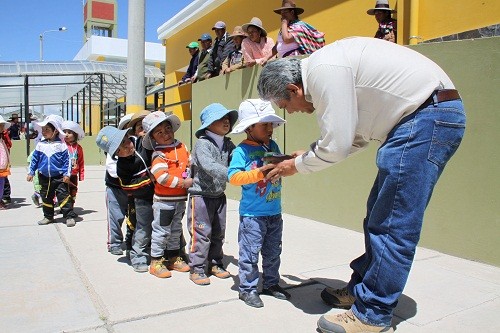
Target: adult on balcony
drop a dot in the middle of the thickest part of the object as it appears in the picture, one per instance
(387, 26)
(223, 45)
(194, 51)
(206, 48)
(296, 37)
(257, 48)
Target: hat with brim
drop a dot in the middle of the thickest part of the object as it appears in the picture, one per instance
(380, 5)
(110, 138)
(72, 126)
(238, 31)
(53, 119)
(289, 4)
(255, 21)
(6, 124)
(214, 112)
(124, 121)
(253, 111)
(136, 117)
(152, 120)
(13, 116)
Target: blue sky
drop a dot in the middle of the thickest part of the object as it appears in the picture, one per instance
(21, 23)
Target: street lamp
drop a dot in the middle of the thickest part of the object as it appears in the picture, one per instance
(41, 39)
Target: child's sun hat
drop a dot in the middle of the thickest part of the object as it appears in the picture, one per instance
(253, 111)
(73, 126)
(154, 119)
(53, 119)
(110, 138)
(214, 112)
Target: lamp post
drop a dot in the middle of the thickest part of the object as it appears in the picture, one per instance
(41, 39)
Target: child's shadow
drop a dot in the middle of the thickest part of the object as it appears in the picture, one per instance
(80, 211)
(18, 202)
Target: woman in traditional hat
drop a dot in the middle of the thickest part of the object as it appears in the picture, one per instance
(296, 37)
(386, 24)
(257, 48)
(235, 58)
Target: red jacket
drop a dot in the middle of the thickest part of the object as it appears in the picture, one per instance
(76, 159)
(6, 139)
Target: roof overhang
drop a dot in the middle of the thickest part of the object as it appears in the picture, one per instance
(190, 14)
(56, 82)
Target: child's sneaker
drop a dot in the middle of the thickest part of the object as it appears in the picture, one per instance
(70, 222)
(177, 264)
(158, 269)
(219, 272)
(45, 221)
(200, 279)
(2, 206)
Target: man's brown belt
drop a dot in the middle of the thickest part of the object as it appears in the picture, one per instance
(443, 95)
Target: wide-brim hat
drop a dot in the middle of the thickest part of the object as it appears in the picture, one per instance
(53, 119)
(136, 117)
(110, 138)
(72, 126)
(289, 4)
(256, 22)
(380, 5)
(238, 31)
(214, 112)
(253, 111)
(125, 120)
(154, 119)
(13, 116)
(6, 124)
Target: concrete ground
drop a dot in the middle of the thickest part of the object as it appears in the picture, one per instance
(59, 279)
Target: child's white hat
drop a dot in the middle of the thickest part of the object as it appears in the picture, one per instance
(4, 122)
(154, 119)
(53, 119)
(73, 126)
(253, 111)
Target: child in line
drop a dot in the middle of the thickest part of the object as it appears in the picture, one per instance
(206, 214)
(132, 169)
(74, 133)
(117, 202)
(51, 160)
(4, 158)
(170, 161)
(261, 223)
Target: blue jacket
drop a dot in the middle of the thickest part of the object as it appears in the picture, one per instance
(51, 159)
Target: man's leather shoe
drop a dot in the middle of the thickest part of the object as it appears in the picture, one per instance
(252, 299)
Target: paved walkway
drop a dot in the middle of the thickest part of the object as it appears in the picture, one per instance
(59, 279)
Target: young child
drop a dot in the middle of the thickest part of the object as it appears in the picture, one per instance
(170, 161)
(117, 202)
(206, 214)
(74, 133)
(4, 158)
(261, 224)
(51, 160)
(132, 169)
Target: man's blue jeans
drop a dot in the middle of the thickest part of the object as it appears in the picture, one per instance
(409, 163)
(259, 234)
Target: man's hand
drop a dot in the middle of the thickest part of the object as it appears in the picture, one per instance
(282, 169)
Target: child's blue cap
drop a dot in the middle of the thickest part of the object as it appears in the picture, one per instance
(109, 139)
(214, 112)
